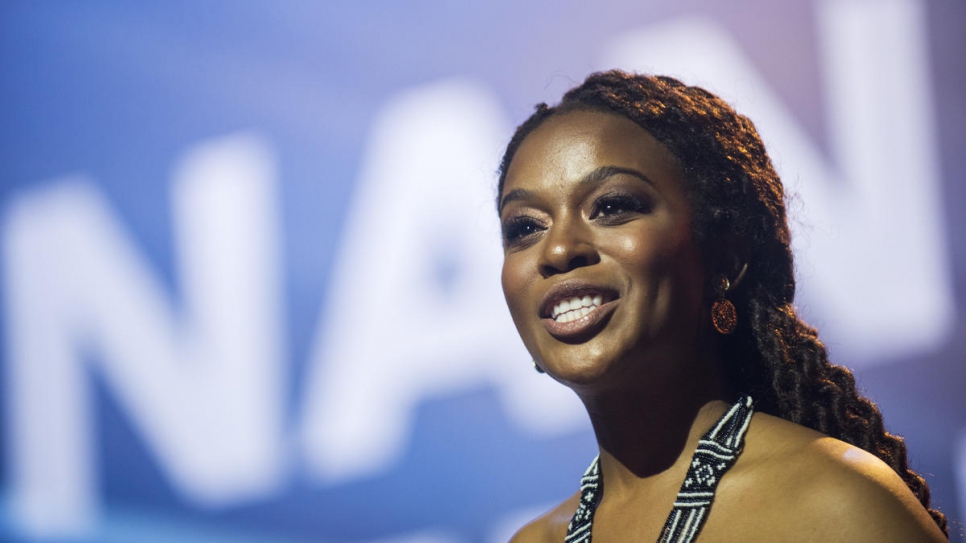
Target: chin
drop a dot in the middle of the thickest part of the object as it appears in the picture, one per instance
(578, 370)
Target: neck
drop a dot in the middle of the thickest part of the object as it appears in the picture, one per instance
(644, 432)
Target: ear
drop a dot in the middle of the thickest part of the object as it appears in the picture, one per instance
(730, 258)
(736, 280)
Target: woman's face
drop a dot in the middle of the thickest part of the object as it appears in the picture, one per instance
(601, 274)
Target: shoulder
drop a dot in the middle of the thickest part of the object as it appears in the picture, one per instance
(550, 527)
(854, 494)
(824, 489)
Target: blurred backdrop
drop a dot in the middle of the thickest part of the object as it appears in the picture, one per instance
(249, 255)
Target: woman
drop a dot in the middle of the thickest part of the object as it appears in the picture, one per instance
(648, 268)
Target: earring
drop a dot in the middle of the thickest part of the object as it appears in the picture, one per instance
(538, 368)
(724, 317)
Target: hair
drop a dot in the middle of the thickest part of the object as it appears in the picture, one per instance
(738, 198)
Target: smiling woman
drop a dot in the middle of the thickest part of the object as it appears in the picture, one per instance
(596, 207)
(648, 268)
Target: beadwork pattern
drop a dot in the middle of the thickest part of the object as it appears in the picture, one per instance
(716, 453)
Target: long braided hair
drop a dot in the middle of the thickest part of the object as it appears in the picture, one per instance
(735, 192)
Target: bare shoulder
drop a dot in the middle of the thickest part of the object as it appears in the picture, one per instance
(550, 527)
(823, 489)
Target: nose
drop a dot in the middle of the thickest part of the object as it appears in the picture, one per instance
(568, 245)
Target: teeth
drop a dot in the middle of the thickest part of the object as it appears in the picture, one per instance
(576, 307)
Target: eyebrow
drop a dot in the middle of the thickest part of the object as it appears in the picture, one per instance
(591, 178)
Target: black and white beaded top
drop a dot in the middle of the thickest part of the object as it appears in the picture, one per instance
(716, 453)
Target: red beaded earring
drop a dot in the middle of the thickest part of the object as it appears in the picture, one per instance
(724, 317)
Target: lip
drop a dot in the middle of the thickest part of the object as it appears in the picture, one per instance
(586, 326)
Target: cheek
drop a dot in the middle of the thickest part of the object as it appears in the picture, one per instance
(644, 257)
(514, 284)
(666, 267)
(684, 275)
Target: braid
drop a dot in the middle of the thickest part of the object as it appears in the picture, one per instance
(735, 191)
(820, 395)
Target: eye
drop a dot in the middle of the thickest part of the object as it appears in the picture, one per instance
(519, 229)
(615, 207)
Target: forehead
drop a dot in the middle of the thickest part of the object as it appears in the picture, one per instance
(569, 145)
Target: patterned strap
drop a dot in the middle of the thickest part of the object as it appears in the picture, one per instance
(716, 453)
(591, 487)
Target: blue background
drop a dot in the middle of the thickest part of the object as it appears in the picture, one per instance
(118, 91)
